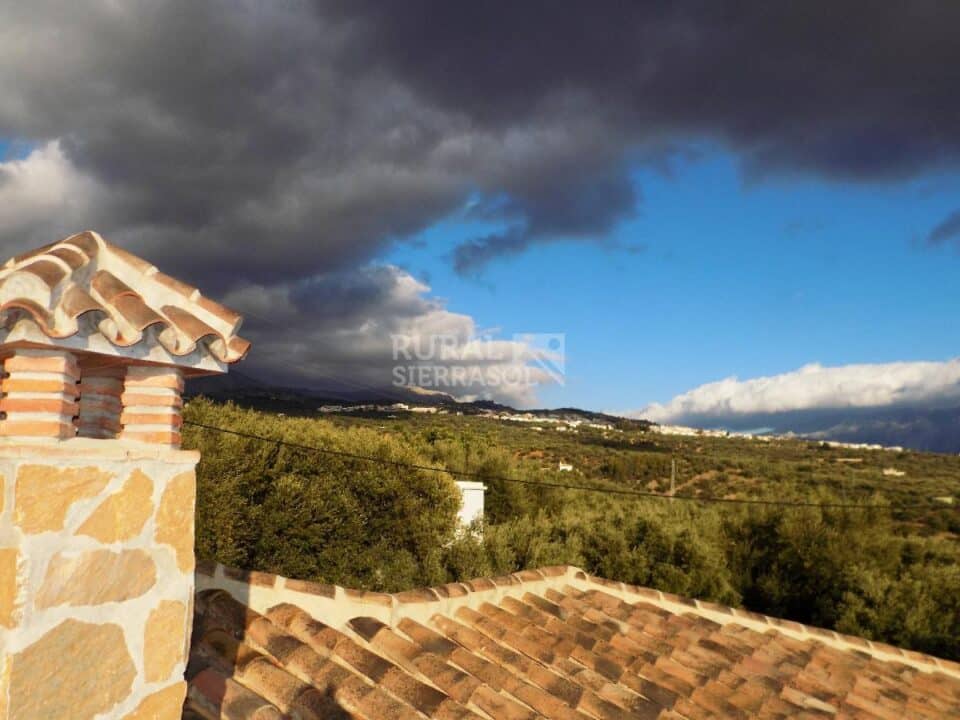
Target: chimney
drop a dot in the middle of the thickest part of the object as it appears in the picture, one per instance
(96, 496)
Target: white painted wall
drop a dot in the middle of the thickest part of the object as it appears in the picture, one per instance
(471, 507)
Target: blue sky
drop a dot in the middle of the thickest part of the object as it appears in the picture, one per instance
(13, 149)
(732, 278)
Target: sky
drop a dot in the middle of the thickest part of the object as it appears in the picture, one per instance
(717, 278)
(718, 208)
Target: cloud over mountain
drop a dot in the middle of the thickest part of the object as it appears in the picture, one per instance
(814, 388)
(376, 326)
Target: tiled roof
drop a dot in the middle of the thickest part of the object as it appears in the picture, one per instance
(85, 276)
(554, 643)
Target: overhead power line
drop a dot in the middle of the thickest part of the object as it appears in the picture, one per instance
(706, 499)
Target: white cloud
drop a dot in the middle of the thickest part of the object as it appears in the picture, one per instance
(815, 387)
(44, 197)
(344, 325)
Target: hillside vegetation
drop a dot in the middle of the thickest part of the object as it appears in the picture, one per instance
(890, 575)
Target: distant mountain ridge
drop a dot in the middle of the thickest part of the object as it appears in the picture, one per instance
(249, 391)
(932, 430)
(928, 429)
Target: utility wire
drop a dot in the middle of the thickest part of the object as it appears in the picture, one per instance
(706, 499)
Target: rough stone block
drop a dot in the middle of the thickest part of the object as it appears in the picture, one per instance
(77, 670)
(45, 493)
(166, 704)
(164, 640)
(122, 515)
(96, 577)
(9, 586)
(175, 518)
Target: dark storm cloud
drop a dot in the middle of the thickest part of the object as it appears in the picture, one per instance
(326, 131)
(854, 90)
(577, 204)
(946, 230)
(851, 91)
(478, 252)
(228, 129)
(356, 320)
(265, 143)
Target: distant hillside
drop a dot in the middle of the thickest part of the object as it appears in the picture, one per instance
(934, 430)
(253, 393)
(930, 429)
(919, 429)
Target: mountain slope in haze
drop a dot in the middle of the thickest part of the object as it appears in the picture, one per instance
(933, 430)
(252, 392)
(930, 429)
(919, 429)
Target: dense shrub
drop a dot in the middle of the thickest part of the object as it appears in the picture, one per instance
(327, 517)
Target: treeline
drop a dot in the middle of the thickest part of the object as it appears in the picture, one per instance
(380, 526)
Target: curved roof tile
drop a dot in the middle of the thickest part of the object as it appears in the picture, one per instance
(57, 284)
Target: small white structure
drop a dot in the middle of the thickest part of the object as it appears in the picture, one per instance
(564, 467)
(471, 506)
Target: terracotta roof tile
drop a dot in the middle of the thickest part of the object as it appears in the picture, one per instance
(212, 694)
(452, 590)
(373, 598)
(55, 286)
(419, 595)
(481, 584)
(549, 644)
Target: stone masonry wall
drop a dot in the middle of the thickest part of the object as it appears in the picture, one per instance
(96, 579)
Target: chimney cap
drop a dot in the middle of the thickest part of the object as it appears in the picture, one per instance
(88, 296)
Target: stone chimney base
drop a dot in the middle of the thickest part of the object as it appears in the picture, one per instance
(96, 579)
